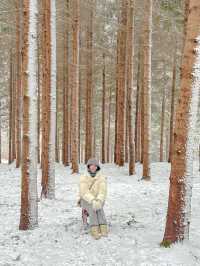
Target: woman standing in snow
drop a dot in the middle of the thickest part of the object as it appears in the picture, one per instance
(92, 192)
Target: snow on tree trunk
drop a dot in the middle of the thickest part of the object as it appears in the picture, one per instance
(180, 192)
(29, 205)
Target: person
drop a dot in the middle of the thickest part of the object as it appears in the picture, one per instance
(92, 196)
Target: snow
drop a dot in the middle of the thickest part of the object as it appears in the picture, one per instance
(135, 210)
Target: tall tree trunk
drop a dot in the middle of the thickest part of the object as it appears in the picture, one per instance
(10, 159)
(109, 124)
(52, 139)
(94, 143)
(138, 109)
(14, 109)
(103, 149)
(88, 120)
(186, 3)
(116, 101)
(162, 126)
(38, 99)
(199, 157)
(126, 136)
(66, 113)
(75, 84)
(171, 141)
(130, 52)
(142, 116)
(45, 95)
(180, 192)
(49, 99)
(57, 147)
(166, 144)
(79, 108)
(121, 79)
(0, 130)
(19, 29)
(147, 90)
(29, 205)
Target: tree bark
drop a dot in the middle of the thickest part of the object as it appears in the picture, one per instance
(171, 141)
(103, 149)
(10, 159)
(116, 102)
(39, 89)
(49, 99)
(66, 113)
(19, 29)
(138, 121)
(14, 108)
(109, 124)
(75, 84)
(130, 53)
(88, 118)
(180, 192)
(162, 126)
(29, 205)
(147, 90)
(121, 86)
(0, 130)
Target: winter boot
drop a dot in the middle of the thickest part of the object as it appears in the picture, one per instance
(95, 231)
(104, 229)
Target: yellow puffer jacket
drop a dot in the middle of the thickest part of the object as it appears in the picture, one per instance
(98, 189)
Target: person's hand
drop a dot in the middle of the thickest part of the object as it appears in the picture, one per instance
(96, 204)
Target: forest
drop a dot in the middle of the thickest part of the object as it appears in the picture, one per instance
(99, 132)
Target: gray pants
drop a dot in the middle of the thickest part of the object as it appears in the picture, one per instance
(96, 217)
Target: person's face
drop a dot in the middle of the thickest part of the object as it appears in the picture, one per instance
(93, 168)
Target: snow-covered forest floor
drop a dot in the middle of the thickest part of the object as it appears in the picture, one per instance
(135, 210)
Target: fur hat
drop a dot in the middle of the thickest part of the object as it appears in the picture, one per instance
(95, 162)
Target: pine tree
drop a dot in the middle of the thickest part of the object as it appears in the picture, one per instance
(89, 83)
(75, 84)
(147, 90)
(179, 203)
(103, 151)
(29, 205)
(49, 99)
(121, 85)
(130, 52)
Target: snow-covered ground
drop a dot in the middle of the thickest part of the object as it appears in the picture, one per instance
(135, 210)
